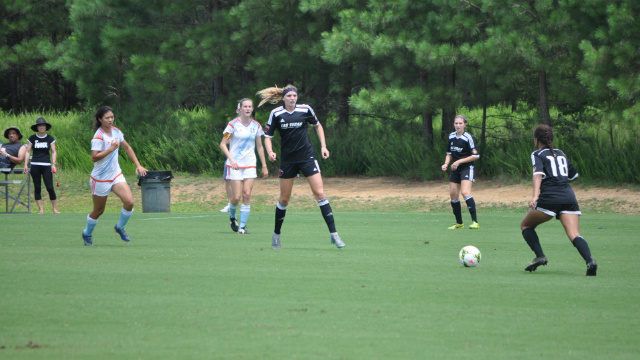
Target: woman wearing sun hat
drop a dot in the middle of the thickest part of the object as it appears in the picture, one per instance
(13, 152)
(43, 162)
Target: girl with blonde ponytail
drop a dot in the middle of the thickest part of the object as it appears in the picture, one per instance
(291, 120)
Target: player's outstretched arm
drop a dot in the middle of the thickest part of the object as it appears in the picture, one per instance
(132, 155)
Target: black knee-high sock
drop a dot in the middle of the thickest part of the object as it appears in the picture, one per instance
(327, 214)
(471, 205)
(457, 210)
(281, 211)
(583, 248)
(531, 237)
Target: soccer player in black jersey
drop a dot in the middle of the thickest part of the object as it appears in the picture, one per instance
(462, 151)
(297, 154)
(553, 196)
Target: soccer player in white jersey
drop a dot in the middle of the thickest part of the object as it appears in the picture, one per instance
(461, 153)
(241, 138)
(106, 176)
(297, 154)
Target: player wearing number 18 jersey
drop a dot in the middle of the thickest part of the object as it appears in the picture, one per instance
(553, 197)
(557, 171)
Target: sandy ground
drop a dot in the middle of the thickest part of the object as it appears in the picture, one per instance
(486, 193)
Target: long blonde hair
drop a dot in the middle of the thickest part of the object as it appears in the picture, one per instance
(273, 95)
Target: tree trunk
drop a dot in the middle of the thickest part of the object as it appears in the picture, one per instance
(119, 90)
(483, 130)
(427, 129)
(320, 91)
(448, 112)
(544, 101)
(13, 78)
(22, 91)
(613, 146)
(56, 80)
(215, 89)
(345, 95)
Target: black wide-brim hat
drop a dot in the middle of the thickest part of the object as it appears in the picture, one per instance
(40, 121)
(6, 132)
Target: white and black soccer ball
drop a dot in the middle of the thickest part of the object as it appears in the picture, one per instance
(470, 256)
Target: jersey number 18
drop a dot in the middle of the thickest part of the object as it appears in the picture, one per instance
(561, 166)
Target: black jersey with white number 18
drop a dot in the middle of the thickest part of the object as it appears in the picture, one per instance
(556, 171)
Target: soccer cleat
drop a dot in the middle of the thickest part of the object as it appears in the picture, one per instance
(225, 209)
(234, 224)
(88, 239)
(275, 242)
(335, 239)
(123, 234)
(592, 267)
(456, 226)
(243, 231)
(542, 260)
(474, 225)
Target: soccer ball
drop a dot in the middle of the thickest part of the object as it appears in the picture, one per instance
(470, 256)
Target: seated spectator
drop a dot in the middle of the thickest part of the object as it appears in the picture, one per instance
(14, 151)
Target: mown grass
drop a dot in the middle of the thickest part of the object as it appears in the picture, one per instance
(187, 287)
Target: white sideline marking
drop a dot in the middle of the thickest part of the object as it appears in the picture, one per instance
(177, 217)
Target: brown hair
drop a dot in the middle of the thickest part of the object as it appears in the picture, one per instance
(544, 135)
(243, 100)
(273, 95)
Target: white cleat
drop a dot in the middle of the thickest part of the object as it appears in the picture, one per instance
(335, 239)
(275, 242)
(225, 209)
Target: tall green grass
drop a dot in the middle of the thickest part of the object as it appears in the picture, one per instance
(188, 141)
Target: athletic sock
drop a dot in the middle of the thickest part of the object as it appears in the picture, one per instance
(91, 224)
(531, 237)
(124, 217)
(281, 211)
(457, 210)
(583, 248)
(327, 214)
(244, 214)
(232, 210)
(471, 205)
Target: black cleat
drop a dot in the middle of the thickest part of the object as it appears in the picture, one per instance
(541, 260)
(234, 224)
(592, 267)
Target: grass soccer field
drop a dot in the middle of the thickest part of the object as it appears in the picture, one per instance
(186, 287)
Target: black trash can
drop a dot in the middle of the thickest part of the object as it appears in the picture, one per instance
(156, 191)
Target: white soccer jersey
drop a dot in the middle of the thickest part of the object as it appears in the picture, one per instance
(242, 142)
(107, 168)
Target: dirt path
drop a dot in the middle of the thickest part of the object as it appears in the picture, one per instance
(486, 193)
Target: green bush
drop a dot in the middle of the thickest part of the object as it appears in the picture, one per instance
(188, 141)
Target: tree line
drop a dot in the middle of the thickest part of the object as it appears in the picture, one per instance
(392, 61)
